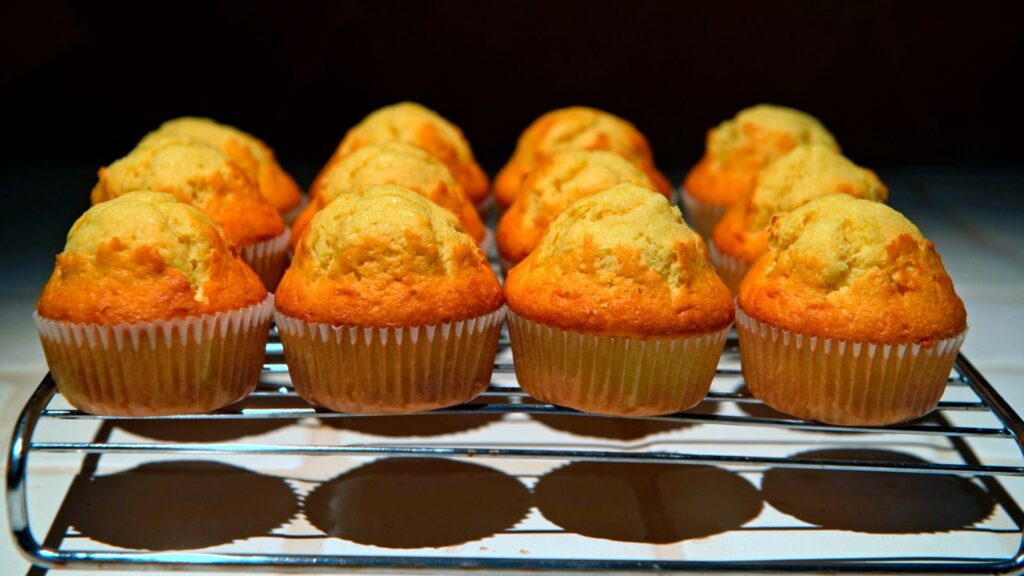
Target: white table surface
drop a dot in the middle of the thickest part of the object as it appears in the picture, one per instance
(975, 218)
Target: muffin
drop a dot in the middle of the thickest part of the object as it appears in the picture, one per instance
(618, 310)
(799, 176)
(557, 183)
(150, 312)
(201, 174)
(418, 125)
(849, 317)
(392, 162)
(575, 128)
(737, 150)
(388, 306)
(249, 152)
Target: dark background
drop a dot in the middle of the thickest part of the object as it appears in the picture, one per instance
(899, 83)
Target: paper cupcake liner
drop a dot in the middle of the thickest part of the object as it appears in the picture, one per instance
(702, 215)
(840, 381)
(156, 368)
(390, 370)
(269, 259)
(487, 242)
(729, 268)
(506, 265)
(290, 216)
(613, 375)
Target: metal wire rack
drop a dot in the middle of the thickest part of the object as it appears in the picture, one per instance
(278, 401)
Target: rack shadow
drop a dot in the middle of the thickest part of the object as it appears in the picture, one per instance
(178, 505)
(648, 503)
(876, 502)
(417, 503)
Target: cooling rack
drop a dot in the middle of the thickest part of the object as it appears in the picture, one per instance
(971, 412)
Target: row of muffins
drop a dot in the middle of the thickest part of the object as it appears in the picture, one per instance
(632, 295)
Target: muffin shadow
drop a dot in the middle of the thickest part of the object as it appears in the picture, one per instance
(210, 430)
(178, 505)
(614, 428)
(647, 503)
(417, 503)
(876, 502)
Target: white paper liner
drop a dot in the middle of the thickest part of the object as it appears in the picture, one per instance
(390, 370)
(840, 381)
(702, 215)
(506, 265)
(487, 242)
(612, 374)
(178, 366)
(484, 205)
(729, 268)
(290, 216)
(269, 259)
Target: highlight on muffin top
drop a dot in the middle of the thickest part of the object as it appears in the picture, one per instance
(852, 269)
(418, 125)
(146, 256)
(560, 181)
(387, 257)
(575, 128)
(740, 147)
(250, 153)
(392, 162)
(621, 261)
(799, 176)
(200, 174)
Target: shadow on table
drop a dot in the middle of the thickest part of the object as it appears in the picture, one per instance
(876, 502)
(417, 503)
(214, 430)
(617, 428)
(178, 505)
(651, 503)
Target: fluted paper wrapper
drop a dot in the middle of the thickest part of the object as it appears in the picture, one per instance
(269, 258)
(729, 268)
(291, 215)
(390, 370)
(611, 374)
(176, 366)
(840, 381)
(702, 215)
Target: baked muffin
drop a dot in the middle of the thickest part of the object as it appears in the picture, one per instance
(391, 162)
(388, 306)
(557, 183)
(739, 148)
(249, 152)
(799, 176)
(618, 310)
(575, 128)
(201, 174)
(418, 125)
(849, 317)
(150, 312)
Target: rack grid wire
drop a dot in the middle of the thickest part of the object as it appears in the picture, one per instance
(505, 398)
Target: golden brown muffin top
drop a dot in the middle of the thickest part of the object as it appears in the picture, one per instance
(200, 174)
(387, 257)
(621, 262)
(799, 176)
(560, 181)
(418, 125)
(575, 128)
(738, 148)
(392, 162)
(851, 269)
(249, 152)
(145, 256)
